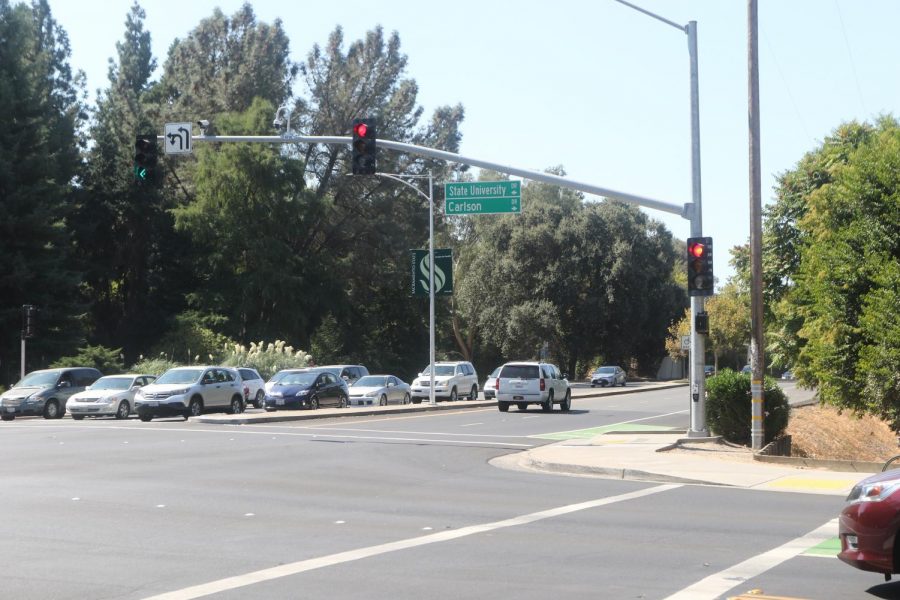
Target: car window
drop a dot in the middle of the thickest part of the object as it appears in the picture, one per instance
(330, 378)
(520, 372)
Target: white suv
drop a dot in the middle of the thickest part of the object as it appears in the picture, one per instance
(524, 383)
(189, 391)
(451, 379)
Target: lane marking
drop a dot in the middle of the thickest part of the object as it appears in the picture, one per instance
(578, 433)
(718, 583)
(230, 583)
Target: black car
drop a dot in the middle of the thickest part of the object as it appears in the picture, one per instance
(307, 389)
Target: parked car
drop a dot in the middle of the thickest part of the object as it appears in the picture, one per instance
(379, 390)
(489, 384)
(189, 392)
(45, 392)
(524, 383)
(307, 389)
(869, 524)
(787, 375)
(747, 370)
(608, 376)
(709, 370)
(254, 387)
(278, 377)
(451, 379)
(109, 396)
(349, 373)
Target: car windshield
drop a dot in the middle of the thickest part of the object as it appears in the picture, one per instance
(298, 379)
(605, 371)
(180, 376)
(519, 372)
(371, 381)
(112, 383)
(495, 372)
(281, 375)
(39, 379)
(439, 370)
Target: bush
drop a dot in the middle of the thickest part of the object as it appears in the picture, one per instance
(729, 407)
(191, 339)
(153, 366)
(108, 361)
(268, 359)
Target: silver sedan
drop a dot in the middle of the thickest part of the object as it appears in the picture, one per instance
(379, 390)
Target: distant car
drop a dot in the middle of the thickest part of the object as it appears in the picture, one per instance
(787, 375)
(254, 387)
(45, 392)
(524, 383)
(379, 390)
(109, 396)
(307, 389)
(869, 524)
(608, 376)
(747, 370)
(189, 392)
(490, 384)
(709, 370)
(451, 380)
(348, 373)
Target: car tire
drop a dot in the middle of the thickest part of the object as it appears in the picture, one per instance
(236, 407)
(342, 403)
(195, 408)
(260, 400)
(503, 406)
(453, 396)
(548, 405)
(123, 410)
(406, 399)
(313, 403)
(417, 401)
(566, 405)
(382, 401)
(623, 383)
(78, 417)
(7, 417)
(51, 410)
(146, 418)
(473, 395)
(522, 406)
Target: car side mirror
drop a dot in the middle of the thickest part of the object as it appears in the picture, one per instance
(64, 384)
(565, 375)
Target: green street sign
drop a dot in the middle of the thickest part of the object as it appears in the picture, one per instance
(482, 197)
(443, 272)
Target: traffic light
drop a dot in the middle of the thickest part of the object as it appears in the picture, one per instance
(700, 266)
(29, 320)
(145, 156)
(701, 323)
(363, 149)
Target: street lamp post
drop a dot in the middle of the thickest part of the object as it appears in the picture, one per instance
(698, 340)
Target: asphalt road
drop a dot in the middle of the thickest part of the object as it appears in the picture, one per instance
(401, 507)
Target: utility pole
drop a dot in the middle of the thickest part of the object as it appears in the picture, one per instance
(757, 342)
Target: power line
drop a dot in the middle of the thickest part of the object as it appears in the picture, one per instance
(850, 55)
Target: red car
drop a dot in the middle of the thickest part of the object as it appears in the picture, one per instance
(869, 525)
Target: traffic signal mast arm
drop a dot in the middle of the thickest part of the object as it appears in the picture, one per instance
(683, 210)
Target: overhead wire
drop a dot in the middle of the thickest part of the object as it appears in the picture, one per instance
(862, 102)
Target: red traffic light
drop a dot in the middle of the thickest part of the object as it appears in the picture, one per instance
(360, 129)
(696, 249)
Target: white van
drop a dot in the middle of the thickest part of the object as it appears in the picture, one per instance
(524, 383)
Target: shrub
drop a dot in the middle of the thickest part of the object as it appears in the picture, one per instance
(729, 407)
(108, 361)
(268, 359)
(191, 339)
(153, 366)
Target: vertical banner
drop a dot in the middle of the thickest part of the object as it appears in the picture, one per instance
(443, 272)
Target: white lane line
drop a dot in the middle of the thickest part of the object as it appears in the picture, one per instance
(717, 584)
(230, 583)
(677, 412)
(471, 424)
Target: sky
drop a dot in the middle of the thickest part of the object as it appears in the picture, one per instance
(594, 86)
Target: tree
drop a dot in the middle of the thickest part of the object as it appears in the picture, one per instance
(41, 112)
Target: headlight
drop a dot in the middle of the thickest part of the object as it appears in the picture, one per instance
(181, 391)
(372, 394)
(873, 492)
(302, 392)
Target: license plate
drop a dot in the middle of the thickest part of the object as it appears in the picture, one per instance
(518, 397)
(10, 409)
(279, 401)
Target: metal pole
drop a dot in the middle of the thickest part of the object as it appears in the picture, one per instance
(757, 342)
(431, 398)
(22, 363)
(698, 340)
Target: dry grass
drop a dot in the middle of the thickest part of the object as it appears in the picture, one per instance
(823, 432)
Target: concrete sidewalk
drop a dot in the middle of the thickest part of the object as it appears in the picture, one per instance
(660, 457)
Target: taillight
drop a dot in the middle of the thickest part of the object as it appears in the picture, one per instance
(542, 384)
(246, 392)
(497, 384)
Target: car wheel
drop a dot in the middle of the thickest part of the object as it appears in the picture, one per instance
(313, 403)
(343, 402)
(453, 396)
(548, 405)
(566, 405)
(146, 418)
(503, 406)
(406, 399)
(123, 410)
(522, 406)
(195, 408)
(8, 417)
(78, 417)
(51, 410)
(623, 383)
(236, 406)
(473, 395)
(382, 401)
(259, 401)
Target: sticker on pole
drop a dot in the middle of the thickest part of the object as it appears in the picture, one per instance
(178, 138)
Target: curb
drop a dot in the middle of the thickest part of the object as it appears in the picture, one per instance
(845, 466)
(611, 472)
